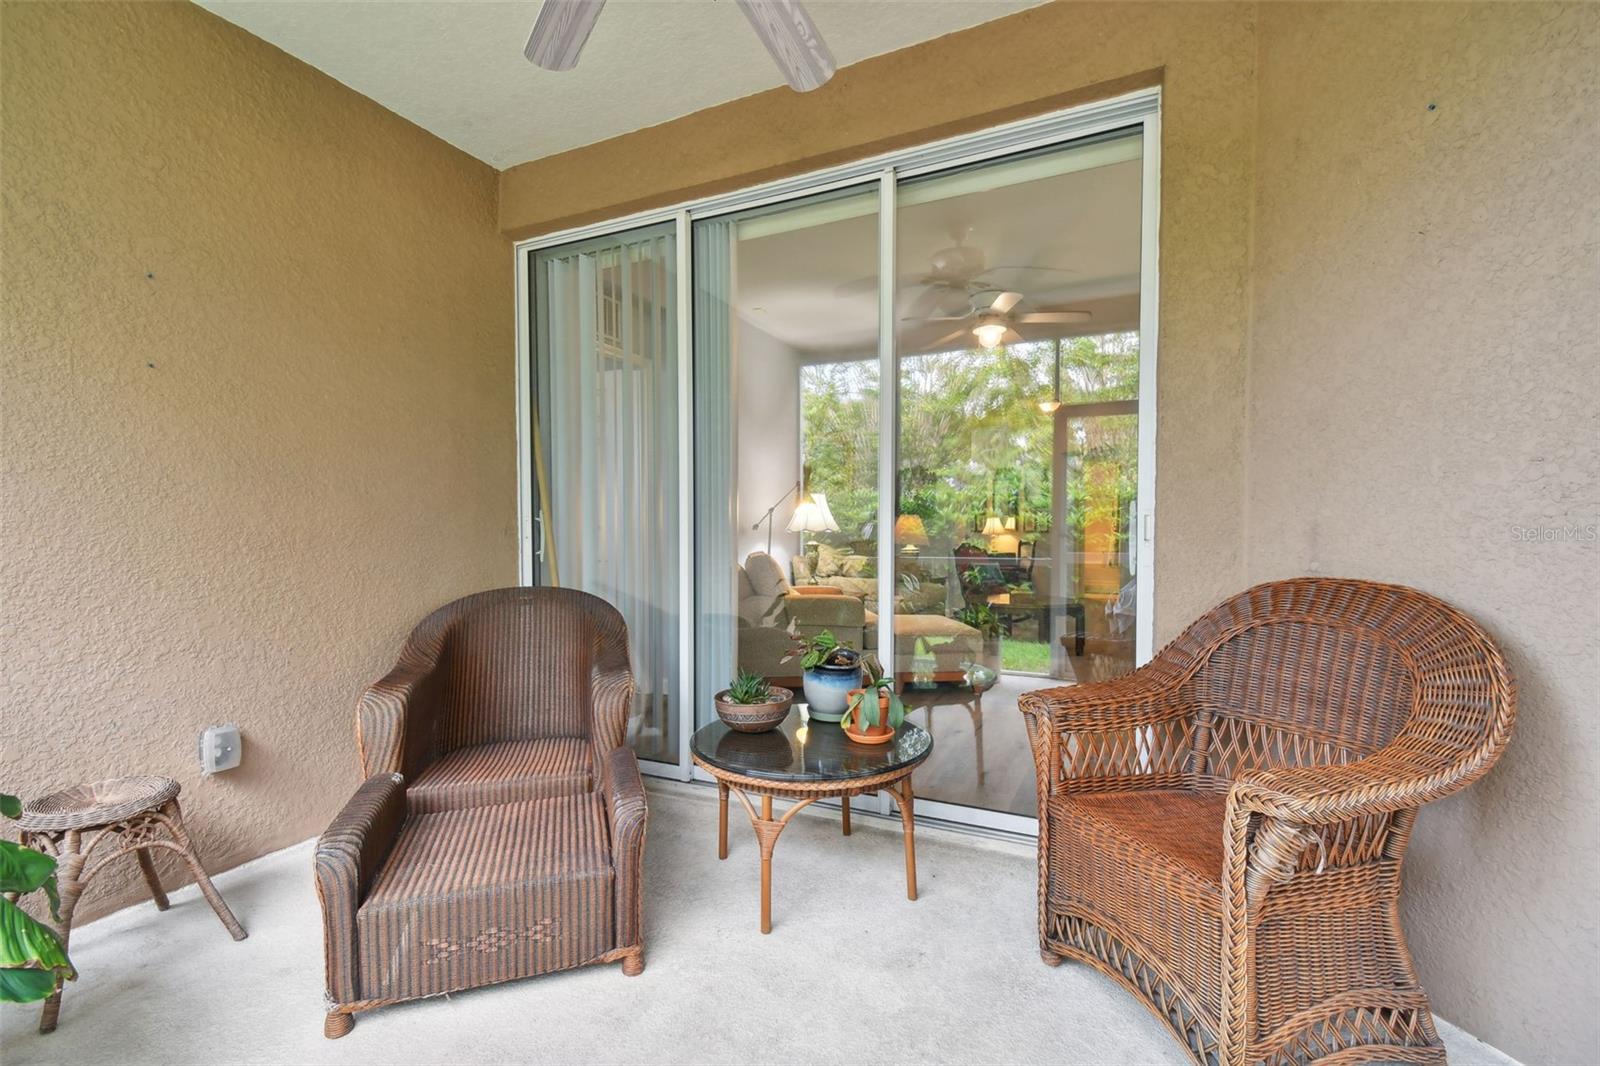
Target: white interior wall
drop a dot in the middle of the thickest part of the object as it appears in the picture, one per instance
(768, 438)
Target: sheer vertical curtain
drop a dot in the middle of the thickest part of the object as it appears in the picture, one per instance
(714, 456)
(608, 408)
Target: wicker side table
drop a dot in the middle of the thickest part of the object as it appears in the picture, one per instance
(803, 764)
(126, 814)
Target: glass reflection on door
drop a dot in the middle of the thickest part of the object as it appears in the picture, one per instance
(1017, 450)
(786, 435)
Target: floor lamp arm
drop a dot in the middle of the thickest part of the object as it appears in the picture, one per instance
(767, 518)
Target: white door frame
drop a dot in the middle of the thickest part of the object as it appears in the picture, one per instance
(1141, 108)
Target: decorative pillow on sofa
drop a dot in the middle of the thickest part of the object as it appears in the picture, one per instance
(856, 566)
(830, 560)
(802, 570)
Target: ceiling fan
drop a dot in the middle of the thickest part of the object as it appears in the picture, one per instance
(784, 27)
(993, 321)
(953, 278)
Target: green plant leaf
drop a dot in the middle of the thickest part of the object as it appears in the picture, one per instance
(897, 710)
(10, 806)
(26, 943)
(26, 986)
(23, 869)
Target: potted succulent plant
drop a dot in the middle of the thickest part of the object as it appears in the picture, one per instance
(828, 671)
(751, 705)
(874, 712)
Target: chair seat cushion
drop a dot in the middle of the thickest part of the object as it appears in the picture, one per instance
(505, 772)
(470, 897)
(1168, 827)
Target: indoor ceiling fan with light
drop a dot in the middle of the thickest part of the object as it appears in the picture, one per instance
(953, 279)
(784, 27)
(992, 319)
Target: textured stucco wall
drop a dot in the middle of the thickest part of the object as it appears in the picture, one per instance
(1423, 381)
(257, 409)
(1042, 59)
(1406, 297)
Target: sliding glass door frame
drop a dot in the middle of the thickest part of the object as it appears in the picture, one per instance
(1138, 110)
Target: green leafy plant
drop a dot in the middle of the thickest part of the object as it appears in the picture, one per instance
(749, 688)
(980, 616)
(824, 649)
(32, 961)
(865, 706)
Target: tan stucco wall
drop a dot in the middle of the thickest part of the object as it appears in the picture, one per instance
(1378, 355)
(1423, 381)
(257, 409)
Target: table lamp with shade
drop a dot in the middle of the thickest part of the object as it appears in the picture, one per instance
(910, 533)
(811, 515)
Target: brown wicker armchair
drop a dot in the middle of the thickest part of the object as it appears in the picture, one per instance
(500, 830)
(513, 694)
(1222, 830)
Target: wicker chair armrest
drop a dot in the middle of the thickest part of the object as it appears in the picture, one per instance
(611, 689)
(395, 715)
(628, 814)
(1145, 697)
(1402, 776)
(348, 856)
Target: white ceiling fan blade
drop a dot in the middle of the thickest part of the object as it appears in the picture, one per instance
(1013, 337)
(1005, 301)
(946, 339)
(1055, 316)
(560, 32)
(936, 318)
(792, 39)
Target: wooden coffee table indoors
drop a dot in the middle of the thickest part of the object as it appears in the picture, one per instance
(805, 764)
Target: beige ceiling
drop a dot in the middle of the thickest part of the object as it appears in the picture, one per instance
(457, 70)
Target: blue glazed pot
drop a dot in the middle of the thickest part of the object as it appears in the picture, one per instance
(827, 690)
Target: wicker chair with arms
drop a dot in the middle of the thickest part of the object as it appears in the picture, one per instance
(500, 830)
(1222, 830)
(512, 694)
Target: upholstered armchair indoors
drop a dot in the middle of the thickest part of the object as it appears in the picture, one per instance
(1222, 830)
(499, 832)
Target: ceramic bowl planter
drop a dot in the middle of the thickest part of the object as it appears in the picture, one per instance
(755, 717)
(827, 690)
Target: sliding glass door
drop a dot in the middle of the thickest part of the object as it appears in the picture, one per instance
(786, 434)
(907, 403)
(1016, 449)
(605, 444)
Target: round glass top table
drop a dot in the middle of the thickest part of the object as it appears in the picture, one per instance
(805, 763)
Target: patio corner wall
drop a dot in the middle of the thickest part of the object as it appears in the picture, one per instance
(1424, 365)
(256, 414)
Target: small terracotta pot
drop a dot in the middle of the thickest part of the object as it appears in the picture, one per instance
(881, 733)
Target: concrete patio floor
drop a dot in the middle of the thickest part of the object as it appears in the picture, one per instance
(851, 973)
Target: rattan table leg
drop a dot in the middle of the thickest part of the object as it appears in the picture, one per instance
(69, 867)
(722, 820)
(844, 813)
(975, 709)
(768, 832)
(202, 879)
(908, 820)
(152, 879)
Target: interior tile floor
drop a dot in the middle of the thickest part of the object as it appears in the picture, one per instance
(851, 973)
